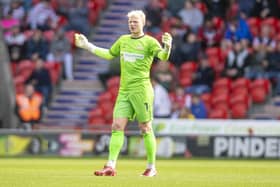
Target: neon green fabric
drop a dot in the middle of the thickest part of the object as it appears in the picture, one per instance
(116, 143)
(137, 105)
(102, 53)
(150, 145)
(164, 54)
(136, 57)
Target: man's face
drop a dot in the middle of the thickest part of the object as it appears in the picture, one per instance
(135, 24)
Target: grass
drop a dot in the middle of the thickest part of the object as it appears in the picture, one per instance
(67, 172)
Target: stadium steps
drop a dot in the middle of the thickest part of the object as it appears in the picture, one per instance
(71, 105)
(268, 110)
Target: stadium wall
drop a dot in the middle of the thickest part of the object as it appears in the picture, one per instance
(7, 94)
(204, 140)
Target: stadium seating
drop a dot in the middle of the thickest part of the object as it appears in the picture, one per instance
(218, 114)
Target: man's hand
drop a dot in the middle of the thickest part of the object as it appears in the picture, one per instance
(167, 40)
(81, 41)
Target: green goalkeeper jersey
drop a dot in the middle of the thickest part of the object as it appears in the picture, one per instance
(136, 57)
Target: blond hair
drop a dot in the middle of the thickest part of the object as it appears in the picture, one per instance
(137, 13)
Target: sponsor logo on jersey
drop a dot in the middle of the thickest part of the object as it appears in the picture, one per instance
(132, 57)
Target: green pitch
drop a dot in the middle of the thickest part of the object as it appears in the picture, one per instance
(44, 172)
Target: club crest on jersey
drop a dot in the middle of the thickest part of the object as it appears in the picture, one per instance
(139, 47)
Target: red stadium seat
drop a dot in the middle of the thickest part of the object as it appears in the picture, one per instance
(188, 67)
(254, 22)
(97, 121)
(222, 83)
(13, 67)
(185, 81)
(213, 52)
(220, 100)
(254, 25)
(239, 111)
(113, 81)
(105, 96)
(220, 90)
(48, 35)
(202, 7)
(114, 92)
(107, 107)
(239, 91)
(19, 79)
(55, 71)
(70, 36)
(25, 65)
(219, 23)
(28, 34)
(239, 99)
(258, 95)
(271, 21)
(261, 83)
(206, 97)
(218, 114)
(240, 83)
(96, 112)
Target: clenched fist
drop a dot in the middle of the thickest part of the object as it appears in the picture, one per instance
(166, 40)
(81, 41)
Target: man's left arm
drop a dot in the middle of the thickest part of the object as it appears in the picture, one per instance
(164, 53)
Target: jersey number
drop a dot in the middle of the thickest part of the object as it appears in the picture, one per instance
(146, 106)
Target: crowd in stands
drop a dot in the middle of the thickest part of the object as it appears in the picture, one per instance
(225, 57)
(225, 54)
(39, 39)
(217, 45)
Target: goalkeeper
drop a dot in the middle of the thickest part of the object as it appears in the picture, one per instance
(135, 98)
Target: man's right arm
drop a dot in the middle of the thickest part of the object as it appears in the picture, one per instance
(82, 42)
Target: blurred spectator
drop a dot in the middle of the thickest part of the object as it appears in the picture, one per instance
(164, 75)
(60, 51)
(217, 7)
(232, 10)
(198, 108)
(191, 16)
(78, 18)
(265, 40)
(8, 22)
(203, 78)
(208, 34)
(27, 4)
(16, 10)
(185, 113)
(266, 8)
(175, 5)
(42, 16)
(29, 107)
(177, 30)
(37, 46)
(154, 14)
(190, 47)
(262, 45)
(237, 29)
(41, 80)
(162, 103)
(179, 101)
(246, 7)
(237, 60)
(15, 42)
(272, 64)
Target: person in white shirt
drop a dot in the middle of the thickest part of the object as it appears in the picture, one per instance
(162, 102)
(42, 16)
